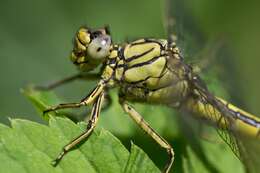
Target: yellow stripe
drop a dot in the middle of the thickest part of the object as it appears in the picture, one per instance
(141, 73)
(152, 49)
(236, 109)
(211, 113)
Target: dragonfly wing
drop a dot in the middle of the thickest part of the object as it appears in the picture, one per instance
(182, 28)
(223, 131)
(195, 45)
(191, 40)
(250, 152)
(247, 149)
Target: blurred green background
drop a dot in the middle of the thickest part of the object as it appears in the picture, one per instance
(36, 39)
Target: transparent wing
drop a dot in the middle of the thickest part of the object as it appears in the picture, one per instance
(247, 149)
(221, 115)
(195, 45)
(182, 28)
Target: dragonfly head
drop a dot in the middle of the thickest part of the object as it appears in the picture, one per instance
(91, 48)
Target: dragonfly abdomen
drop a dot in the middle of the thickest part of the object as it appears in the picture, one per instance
(244, 121)
(225, 116)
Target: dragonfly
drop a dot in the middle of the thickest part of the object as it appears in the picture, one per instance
(153, 71)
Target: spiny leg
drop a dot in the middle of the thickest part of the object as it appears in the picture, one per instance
(90, 127)
(85, 101)
(105, 105)
(87, 76)
(150, 131)
(82, 116)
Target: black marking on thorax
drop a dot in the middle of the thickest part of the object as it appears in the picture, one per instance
(139, 55)
(148, 40)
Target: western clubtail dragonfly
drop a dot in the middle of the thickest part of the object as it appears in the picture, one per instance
(148, 71)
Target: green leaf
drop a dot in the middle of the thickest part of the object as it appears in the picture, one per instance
(30, 147)
(41, 100)
(144, 164)
(191, 156)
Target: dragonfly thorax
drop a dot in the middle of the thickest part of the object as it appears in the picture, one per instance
(147, 70)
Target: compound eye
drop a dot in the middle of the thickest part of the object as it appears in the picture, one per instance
(95, 34)
(99, 48)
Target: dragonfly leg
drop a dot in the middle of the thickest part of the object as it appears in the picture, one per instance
(87, 100)
(90, 127)
(87, 76)
(82, 116)
(105, 105)
(150, 131)
(63, 106)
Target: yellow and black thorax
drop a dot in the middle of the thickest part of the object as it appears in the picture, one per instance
(148, 70)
